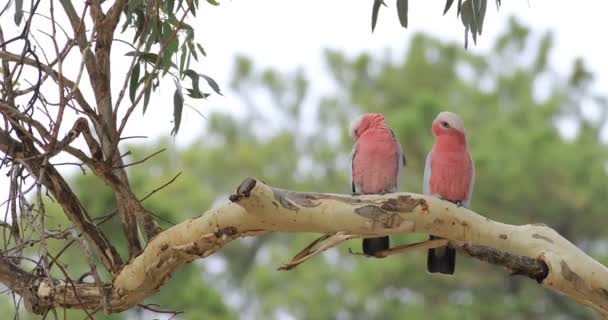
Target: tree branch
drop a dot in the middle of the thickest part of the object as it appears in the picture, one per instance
(79, 28)
(519, 265)
(62, 192)
(24, 284)
(257, 208)
(7, 56)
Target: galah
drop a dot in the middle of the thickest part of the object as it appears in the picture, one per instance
(449, 174)
(377, 164)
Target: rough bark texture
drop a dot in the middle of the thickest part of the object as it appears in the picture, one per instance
(60, 189)
(536, 251)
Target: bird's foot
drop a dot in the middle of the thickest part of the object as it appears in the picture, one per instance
(457, 203)
(438, 197)
(356, 193)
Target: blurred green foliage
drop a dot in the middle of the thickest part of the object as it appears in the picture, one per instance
(514, 104)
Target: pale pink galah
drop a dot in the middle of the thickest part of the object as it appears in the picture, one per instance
(377, 164)
(449, 174)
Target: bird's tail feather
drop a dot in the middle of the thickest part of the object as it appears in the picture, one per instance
(441, 260)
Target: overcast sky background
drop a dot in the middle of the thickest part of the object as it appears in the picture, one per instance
(289, 34)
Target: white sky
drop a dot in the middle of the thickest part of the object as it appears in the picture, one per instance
(288, 34)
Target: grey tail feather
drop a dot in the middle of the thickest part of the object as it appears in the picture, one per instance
(373, 245)
(441, 260)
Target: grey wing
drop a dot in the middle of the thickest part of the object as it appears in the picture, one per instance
(355, 189)
(467, 202)
(426, 180)
(401, 163)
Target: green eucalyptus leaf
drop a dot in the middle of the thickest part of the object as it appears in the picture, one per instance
(146, 56)
(459, 8)
(192, 50)
(193, 78)
(147, 92)
(153, 35)
(134, 81)
(200, 48)
(191, 7)
(375, 10)
(472, 7)
(197, 94)
(18, 11)
(168, 53)
(178, 106)
(402, 12)
(182, 59)
(448, 5)
(169, 6)
(212, 83)
(481, 13)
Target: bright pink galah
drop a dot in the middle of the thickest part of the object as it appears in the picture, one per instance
(377, 164)
(448, 174)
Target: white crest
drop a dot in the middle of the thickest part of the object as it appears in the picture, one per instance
(354, 125)
(452, 119)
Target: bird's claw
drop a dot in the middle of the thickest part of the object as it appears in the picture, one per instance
(458, 203)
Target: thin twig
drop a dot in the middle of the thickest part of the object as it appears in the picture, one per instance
(140, 161)
(154, 308)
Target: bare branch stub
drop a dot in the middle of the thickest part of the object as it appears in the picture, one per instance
(244, 189)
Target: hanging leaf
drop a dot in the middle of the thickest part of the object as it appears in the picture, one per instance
(375, 10)
(197, 94)
(134, 82)
(472, 15)
(481, 13)
(168, 53)
(448, 4)
(192, 50)
(212, 83)
(402, 12)
(200, 48)
(194, 79)
(153, 34)
(148, 57)
(474, 24)
(459, 8)
(182, 59)
(178, 106)
(139, 23)
(191, 7)
(169, 5)
(18, 11)
(147, 91)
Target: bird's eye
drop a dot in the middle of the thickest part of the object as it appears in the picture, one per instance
(445, 124)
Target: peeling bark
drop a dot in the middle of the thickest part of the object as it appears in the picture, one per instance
(69, 202)
(536, 251)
